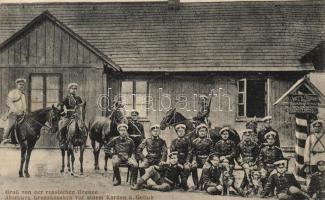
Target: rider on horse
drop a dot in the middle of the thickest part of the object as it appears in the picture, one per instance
(70, 106)
(16, 101)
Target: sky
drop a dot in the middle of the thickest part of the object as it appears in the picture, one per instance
(30, 1)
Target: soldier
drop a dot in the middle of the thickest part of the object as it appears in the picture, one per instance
(202, 147)
(135, 130)
(156, 150)
(211, 176)
(269, 154)
(267, 128)
(226, 149)
(204, 110)
(314, 147)
(247, 154)
(165, 175)
(183, 147)
(123, 152)
(69, 105)
(285, 183)
(316, 187)
(16, 102)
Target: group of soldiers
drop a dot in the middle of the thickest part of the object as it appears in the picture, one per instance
(258, 153)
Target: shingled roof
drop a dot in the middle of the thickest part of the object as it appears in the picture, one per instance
(214, 36)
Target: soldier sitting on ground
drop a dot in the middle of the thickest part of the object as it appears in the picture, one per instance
(316, 187)
(165, 175)
(183, 147)
(285, 183)
(156, 150)
(202, 147)
(123, 148)
(211, 176)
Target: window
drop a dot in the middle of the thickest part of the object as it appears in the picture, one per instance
(45, 90)
(252, 98)
(134, 96)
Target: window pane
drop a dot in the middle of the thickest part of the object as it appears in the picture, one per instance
(128, 108)
(141, 87)
(37, 96)
(36, 106)
(255, 98)
(37, 82)
(127, 87)
(52, 96)
(241, 111)
(141, 108)
(241, 86)
(241, 98)
(141, 99)
(52, 82)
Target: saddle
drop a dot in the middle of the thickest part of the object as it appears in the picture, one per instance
(13, 131)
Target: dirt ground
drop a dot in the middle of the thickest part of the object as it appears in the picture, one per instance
(46, 179)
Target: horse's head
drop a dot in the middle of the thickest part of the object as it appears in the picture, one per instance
(53, 119)
(169, 119)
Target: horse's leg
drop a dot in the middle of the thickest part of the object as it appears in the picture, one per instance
(23, 149)
(93, 144)
(62, 156)
(72, 161)
(29, 153)
(69, 155)
(82, 148)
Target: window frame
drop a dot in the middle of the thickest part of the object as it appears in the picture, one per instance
(134, 94)
(44, 76)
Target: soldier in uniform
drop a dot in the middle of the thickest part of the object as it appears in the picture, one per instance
(135, 130)
(202, 147)
(183, 147)
(211, 176)
(69, 105)
(165, 175)
(226, 149)
(156, 150)
(247, 154)
(16, 102)
(315, 147)
(316, 187)
(123, 152)
(267, 128)
(285, 183)
(269, 154)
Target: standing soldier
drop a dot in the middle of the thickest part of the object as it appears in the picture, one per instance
(123, 152)
(226, 149)
(156, 150)
(247, 154)
(269, 154)
(285, 183)
(16, 102)
(316, 187)
(183, 147)
(135, 130)
(315, 147)
(267, 128)
(202, 147)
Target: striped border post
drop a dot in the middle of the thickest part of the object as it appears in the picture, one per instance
(301, 131)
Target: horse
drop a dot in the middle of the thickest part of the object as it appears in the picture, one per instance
(172, 118)
(101, 131)
(28, 130)
(72, 138)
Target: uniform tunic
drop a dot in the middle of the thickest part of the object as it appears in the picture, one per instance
(123, 147)
(281, 183)
(16, 101)
(268, 155)
(211, 176)
(156, 148)
(136, 132)
(201, 149)
(317, 184)
(226, 148)
(314, 149)
(247, 152)
(184, 148)
(262, 140)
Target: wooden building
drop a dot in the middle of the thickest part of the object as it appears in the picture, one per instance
(249, 53)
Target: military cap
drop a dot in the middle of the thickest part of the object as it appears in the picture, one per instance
(320, 162)
(134, 111)
(203, 97)
(224, 129)
(280, 163)
(267, 118)
(173, 153)
(202, 126)
(319, 121)
(180, 126)
(270, 134)
(18, 80)
(72, 84)
(156, 126)
(122, 125)
(245, 131)
(215, 154)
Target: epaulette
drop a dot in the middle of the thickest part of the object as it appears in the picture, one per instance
(196, 139)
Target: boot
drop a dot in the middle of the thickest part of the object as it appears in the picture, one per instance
(139, 185)
(134, 176)
(195, 179)
(117, 175)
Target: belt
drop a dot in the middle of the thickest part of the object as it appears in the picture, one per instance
(202, 156)
(169, 181)
(270, 165)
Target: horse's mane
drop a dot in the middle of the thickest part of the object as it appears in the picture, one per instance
(39, 111)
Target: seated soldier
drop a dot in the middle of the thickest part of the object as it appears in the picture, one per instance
(156, 150)
(316, 187)
(269, 154)
(211, 176)
(165, 175)
(183, 147)
(285, 183)
(226, 149)
(202, 147)
(246, 156)
(123, 148)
